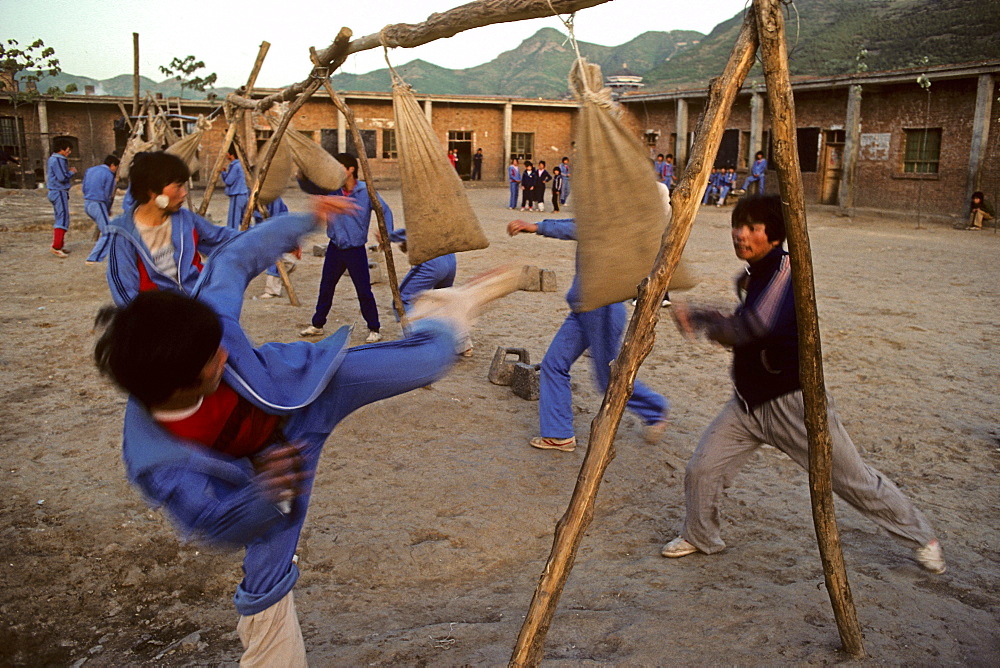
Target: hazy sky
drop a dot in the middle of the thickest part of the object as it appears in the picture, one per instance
(94, 37)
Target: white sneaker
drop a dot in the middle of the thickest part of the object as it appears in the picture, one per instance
(373, 336)
(311, 331)
(931, 557)
(678, 547)
(268, 295)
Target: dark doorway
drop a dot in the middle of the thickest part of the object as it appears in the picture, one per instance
(729, 150)
(462, 142)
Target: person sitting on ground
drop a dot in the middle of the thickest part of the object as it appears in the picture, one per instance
(979, 210)
(157, 244)
(767, 405)
(227, 436)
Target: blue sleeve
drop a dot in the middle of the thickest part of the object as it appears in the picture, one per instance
(220, 511)
(122, 270)
(241, 258)
(564, 228)
(210, 236)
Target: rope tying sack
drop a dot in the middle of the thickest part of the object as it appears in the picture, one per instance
(439, 217)
(621, 216)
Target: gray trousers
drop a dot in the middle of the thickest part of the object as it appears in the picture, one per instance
(734, 435)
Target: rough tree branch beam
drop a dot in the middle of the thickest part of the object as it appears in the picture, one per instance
(781, 107)
(638, 342)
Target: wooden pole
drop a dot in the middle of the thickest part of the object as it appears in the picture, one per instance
(437, 26)
(638, 342)
(781, 108)
(135, 74)
(384, 244)
(234, 124)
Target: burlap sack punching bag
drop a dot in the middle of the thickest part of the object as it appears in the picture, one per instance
(280, 171)
(187, 147)
(620, 216)
(314, 162)
(439, 218)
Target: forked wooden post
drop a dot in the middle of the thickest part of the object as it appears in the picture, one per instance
(638, 342)
(339, 55)
(781, 107)
(384, 244)
(234, 125)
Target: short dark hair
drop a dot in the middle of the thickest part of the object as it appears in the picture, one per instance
(659, 155)
(153, 171)
(759, 154)
(157, 344)
(556, 169)
(565, 157)
(670, 155)
(541, 162)
(61, 144)
(764, 209)
(348, 160)
(112, 160)
(527, 163)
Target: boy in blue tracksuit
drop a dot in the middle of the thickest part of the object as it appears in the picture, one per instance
(564, 169)
(757, 171)
(727, 182)
(236, 188)
(98, 195)
(713, 187)
(59, 178)
(348, 235)
(514, 179)
(600, 331)
(227, 437)
(157, 244)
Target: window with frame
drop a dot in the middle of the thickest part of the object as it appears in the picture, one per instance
(389, 151)
(522, 145)
(368, 139)
(329, 141)
(12, 134)
(922, 151)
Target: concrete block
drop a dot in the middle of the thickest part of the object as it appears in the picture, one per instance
(530, 279)
(525, 381)
(548, 280)
(502, 368)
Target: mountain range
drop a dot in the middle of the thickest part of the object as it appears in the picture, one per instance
(825, 37)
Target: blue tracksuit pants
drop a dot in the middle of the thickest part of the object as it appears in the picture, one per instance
(60, 204)
(98, 211)
(237, 206)
(601, 331)
(355, 262)
(436, 273)
(515, 188)
(369, 373)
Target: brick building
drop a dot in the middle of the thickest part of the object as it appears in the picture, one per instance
(531, 129)
(911, 148)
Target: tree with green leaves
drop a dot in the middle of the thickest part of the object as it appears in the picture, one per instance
(27, 66)
(183, 69)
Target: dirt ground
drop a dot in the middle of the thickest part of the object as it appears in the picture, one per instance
(432, 518)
